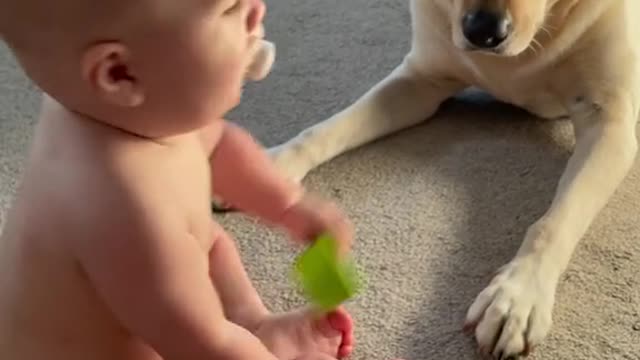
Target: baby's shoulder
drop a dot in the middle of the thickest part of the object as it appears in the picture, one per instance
(94, 180)
(98, 176)
(106, 200)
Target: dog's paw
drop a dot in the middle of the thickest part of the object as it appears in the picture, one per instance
(291, 160)
(514, 313)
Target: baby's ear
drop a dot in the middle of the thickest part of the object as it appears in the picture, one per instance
(107, 68)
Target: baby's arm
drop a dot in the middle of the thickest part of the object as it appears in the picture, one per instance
(153, 275)
(244, 176)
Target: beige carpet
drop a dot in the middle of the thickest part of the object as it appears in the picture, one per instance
(437, 208)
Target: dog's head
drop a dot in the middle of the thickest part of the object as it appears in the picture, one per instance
(504, 27)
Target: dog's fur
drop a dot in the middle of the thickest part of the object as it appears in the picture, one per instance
(565, 58)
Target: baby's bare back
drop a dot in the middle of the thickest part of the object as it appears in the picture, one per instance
(48, 307)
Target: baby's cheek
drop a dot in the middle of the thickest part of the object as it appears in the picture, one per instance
(223, 96)
(216, 80)
(231, 77)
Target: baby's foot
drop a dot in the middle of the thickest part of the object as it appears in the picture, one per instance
(291, 335)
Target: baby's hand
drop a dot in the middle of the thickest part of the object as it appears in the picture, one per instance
(312, 216)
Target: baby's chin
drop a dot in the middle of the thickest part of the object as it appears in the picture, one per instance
(262, 62)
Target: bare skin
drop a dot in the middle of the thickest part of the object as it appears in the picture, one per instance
(110, 251)
(77, 281)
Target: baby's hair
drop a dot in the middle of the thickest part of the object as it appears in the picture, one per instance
(34, 25)
(50, 37)
(37, 25)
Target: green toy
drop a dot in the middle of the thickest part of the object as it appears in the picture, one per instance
(326, 280)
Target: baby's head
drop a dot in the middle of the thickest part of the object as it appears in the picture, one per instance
(154, 67)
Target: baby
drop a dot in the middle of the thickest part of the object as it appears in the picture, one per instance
(110, 251)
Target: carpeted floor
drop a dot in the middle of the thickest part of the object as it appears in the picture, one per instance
(438, 208)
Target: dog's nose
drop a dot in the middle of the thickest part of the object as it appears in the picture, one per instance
(485, 29)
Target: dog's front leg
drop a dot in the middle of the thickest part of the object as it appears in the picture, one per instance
(514, 312)
(403, 99)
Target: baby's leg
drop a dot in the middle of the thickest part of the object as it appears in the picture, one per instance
(240, 300)
(295, 333)
(287, 335)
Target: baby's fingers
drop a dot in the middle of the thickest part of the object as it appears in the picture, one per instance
(341, 229)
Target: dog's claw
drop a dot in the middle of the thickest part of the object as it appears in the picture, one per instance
(469, 327)
(512, 315)
(484, 351)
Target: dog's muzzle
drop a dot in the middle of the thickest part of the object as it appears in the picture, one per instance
(486, 29)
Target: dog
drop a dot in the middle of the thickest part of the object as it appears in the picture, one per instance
(576, 59)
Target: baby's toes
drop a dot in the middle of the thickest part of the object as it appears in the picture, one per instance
(339, 323)
(315, 356)
(220, 206)
(344, 351)
(340, 320)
